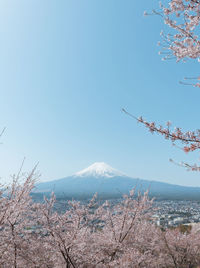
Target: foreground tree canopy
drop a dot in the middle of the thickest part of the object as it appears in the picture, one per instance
(88, 236)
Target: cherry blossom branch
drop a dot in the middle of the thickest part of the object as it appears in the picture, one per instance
(190, 138)
(189, 167)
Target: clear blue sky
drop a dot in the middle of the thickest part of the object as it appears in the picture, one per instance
(68, 67)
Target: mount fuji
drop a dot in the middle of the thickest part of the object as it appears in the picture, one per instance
(99, 169)
(110, 183)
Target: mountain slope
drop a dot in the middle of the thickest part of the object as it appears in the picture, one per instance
(110, 183)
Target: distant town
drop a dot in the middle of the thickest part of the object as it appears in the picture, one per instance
(172, 213)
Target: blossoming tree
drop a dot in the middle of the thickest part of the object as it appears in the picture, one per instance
(182, 43)
(88, 236)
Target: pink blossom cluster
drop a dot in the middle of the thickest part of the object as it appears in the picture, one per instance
(183, 16)
(88, 236)
(182, 43)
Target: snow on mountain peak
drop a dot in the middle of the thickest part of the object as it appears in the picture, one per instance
(99, 169)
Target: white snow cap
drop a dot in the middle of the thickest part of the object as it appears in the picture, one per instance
(99, 169)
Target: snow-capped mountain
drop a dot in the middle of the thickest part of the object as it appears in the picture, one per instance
(110, 183)
(99, 177)
(99, 169)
